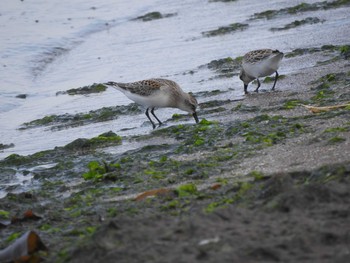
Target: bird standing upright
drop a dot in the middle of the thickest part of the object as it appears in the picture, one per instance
(158, 93)
(260, 63)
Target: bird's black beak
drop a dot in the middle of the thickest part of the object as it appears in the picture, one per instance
(195, 117)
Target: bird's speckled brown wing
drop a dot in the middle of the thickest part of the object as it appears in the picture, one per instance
(258, 55)
(143, 87)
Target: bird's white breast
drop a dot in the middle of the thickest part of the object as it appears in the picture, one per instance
(262, 68)
(157, 99)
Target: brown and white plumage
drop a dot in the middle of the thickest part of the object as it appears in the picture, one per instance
(260, 63)
(158, 93)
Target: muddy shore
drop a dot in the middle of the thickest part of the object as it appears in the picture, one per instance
(261, 178)
(258, 179)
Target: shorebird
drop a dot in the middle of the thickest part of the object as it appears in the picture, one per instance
(158, 93)
(260, 63)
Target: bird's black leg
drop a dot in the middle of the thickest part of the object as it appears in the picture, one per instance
(152, 111)
(276, 77)
(245, 89)
(257, 89)
(154, 126)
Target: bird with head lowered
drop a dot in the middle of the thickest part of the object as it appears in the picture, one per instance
(260, 63)
(158, 93)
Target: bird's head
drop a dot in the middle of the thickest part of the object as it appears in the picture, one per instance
(189, 104)
(245, 77)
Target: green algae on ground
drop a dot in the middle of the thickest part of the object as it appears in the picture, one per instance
(98, 171)
(245, 108)
(94, 88)
(297, 23)
(6, 146)
(4, 214)
(213, 103)
(226, 67)
(105, 139)
(338, 129)
(240, 189)
(266, 130)
(332, 135)
(326, 86)
(154, 16)
(226, 30)
(270, 79)
(177, 116)
(186, 190)
(79, 119)
(18, 160)
(342, 51)
(209, 93)
(336, 139)
(345, 51)
(302, 7)
(292, 103)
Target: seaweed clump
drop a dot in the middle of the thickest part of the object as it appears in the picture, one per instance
(343, 51)
(153, 16)
(6, 146)
(94, 88)
(225, 30)
(226, 67)
(79, 119)
(302, 7)
(297, 23)
(105, 139)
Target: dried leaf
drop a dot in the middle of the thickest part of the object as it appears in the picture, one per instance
(23, 249)
(215, 186)
(155, 192)
(28, 215)
(315, 109)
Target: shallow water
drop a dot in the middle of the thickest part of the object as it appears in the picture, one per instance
(53, 46)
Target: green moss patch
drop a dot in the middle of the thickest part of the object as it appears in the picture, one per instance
(298, 23)
(270, 79)
(105, 139)
(94, 88)
(226, 67)
(325, 87)
(226, 30)
(154, 16)
(266, 130)
(98, 171)
(293, 103)
(300, 8)
(6, 146)
(186, 190)
(73, 120)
